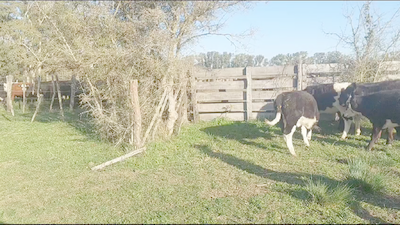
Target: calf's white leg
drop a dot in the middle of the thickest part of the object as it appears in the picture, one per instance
(309, 134)
(357, 121)
(347, 124)
(304, 134)
(289, 141)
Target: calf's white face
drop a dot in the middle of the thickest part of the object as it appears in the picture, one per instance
(339, 86)
(390, 124)
(349, 112)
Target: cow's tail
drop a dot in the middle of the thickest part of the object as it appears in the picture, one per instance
(278, 106)
(275, 121)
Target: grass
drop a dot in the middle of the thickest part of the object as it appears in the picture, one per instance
(361, 177)
(325, 195)
(213, 172)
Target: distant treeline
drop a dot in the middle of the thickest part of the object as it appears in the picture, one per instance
(216, 60)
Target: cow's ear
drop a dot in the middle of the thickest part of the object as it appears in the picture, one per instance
(353, 85)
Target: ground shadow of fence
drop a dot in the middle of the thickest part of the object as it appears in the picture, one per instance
(376, 199)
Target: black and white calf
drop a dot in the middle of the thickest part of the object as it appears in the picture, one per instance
(297, 109)
(367, 88)
(327, 97)
(381, 108)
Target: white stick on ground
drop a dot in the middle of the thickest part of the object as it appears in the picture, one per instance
(121, 158)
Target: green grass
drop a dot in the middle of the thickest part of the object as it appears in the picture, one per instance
(213, 172)
(325, 195)
(362, 178)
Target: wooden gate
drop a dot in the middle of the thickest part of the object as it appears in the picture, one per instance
(241, 94)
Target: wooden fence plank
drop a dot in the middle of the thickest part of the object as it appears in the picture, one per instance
(264, 115)
(274, 83)
(263, 106)
(268, 94)
(204, 96)
(230, 116)
(273, 70)
(221, 107)
(229, 78)
(227, 72)
(240, 84)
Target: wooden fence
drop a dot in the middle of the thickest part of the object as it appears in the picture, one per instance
(240, 94)
(245, 94)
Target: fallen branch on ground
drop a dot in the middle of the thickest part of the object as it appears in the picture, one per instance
(121, 158)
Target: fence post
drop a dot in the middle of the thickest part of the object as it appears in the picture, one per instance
(72, 97)
(136, 117)
(249, 94)
(59, 97)
(24, 93)
(9, 93)
(300, 75)
(52, 92)
(39, 98)
(194, 98)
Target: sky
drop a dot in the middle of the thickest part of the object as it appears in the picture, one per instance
(289, 26)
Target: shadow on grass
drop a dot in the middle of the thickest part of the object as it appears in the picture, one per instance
(82, 123)
(241, 132)
(377, 199)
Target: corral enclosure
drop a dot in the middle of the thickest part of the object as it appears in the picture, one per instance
(248, 93)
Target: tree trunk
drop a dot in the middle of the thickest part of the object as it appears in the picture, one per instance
(172, 114)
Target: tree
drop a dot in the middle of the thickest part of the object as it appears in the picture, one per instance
(333, 57)
(226, 59)
(320, 57)
(266, 62)
(259, 59)
(372, 41)
(249, 60)
(239, 60)
(279, 60)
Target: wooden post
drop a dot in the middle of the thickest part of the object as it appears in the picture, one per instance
(59, 97)
(136, 117)
(300, 75)
(23, 94)
(9, 93)
(72, 97)
(156, 116)
(32, 78)
(121, 158)
(53, 92)
(249, 94)
(194, 98)
(39, 97)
